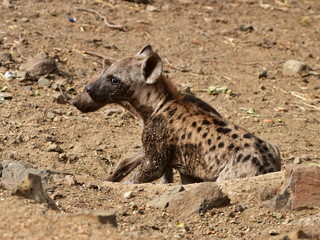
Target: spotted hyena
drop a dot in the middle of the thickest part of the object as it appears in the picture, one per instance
(180, 131)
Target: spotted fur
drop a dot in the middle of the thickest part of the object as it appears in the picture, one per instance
(180, 131)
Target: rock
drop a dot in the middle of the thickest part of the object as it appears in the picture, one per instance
(246, 28)
(59, 85)
(263, 73)
(7, 4)
(60, 98)
(294, 67)
(32, 188)
(10, 75)
(40, 65)
(297, 160)
(6, 95)
(54, 148)
(163, 201)
(102, 216)
(5, 57)
(300, 188)
(128, 195)
(21, 75)
(111, 111)
(201, 198)
(273, 232)
(44, 82)
(295, 235)
(267, 193)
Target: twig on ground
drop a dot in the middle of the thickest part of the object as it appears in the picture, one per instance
(21, 55)
(105, 20)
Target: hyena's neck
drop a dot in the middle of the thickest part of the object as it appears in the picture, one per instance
(151, 98)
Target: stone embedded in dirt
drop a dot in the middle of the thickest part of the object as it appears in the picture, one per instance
(201, 198)
(5, 57)
(294, 67)
(59, 85)
(295, 235)
(300, 188)
(7, 4)
(22, 75)
(267, 193)
(32, 188)
(128, 195)
(60, 98)
(13, 173)
(51, 115)
(55, 148)
(263, 73)
(102, 216)
(246, 28)
(6, 95)
(40, 65)
(111, 111)
(164, 200)
(44, 82)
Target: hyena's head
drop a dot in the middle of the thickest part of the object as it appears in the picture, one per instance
(119, 82)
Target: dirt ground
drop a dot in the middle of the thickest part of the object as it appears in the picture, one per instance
(203, 44)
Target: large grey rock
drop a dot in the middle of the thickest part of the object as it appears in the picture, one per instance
(164, 200)
(40, 65)
(44, 82)
(13, 173)
(294, 67)
(199, 199)
(32, 188)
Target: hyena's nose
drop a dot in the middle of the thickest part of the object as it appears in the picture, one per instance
(89, 88)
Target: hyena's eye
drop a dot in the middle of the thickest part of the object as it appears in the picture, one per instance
(115, 80)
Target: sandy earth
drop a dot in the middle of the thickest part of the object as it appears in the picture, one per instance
(202, 45)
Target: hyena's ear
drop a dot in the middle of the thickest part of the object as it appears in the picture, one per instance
(151, 66)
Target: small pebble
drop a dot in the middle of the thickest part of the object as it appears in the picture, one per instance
(128, 195)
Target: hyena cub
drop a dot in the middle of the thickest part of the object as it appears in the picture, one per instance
(180, 131)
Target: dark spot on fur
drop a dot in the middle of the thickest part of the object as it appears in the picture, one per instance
(247, 135)
(237, 149)
(183, 119)
(221, 145)
(213, 148)
(255, 160)
(266, 164)
(231, 146)
(223, 130)
(239, 157)
(199, 129)
(261, 168)
(218, 138)
(148, 95)
(189, 135)
(209, 142)
(194, 124)
(246, 158)
(183, 136)
(205, 122)
(259, 141)
(199, 144)
(265, 148)
(264, 158)
(172, 112)
(219, 122)
(246, 145)
(270, 155)
(271, 170)
(204, 135)
(179, 117)
(171, 121)
(234, 136)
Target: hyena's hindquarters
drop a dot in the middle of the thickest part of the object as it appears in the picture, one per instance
(274, 150)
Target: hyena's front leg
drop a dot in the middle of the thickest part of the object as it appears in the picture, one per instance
(126, 166)
(153, 167)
